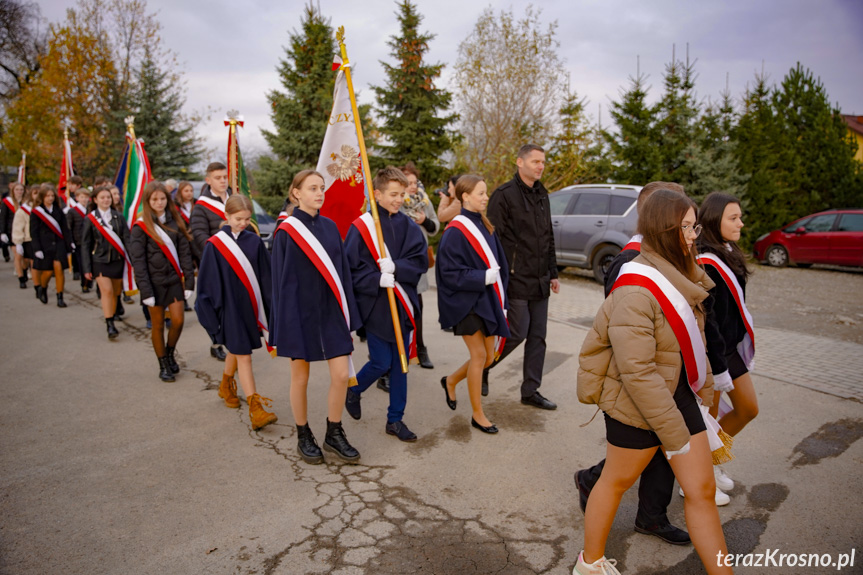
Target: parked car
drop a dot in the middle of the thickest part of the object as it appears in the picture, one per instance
(830, 237)
(592, 223)
(266, 222)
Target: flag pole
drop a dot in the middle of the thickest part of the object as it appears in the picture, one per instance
(397, 328)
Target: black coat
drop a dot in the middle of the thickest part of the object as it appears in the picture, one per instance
(46, 241)
(94, 246)
(204, 223)
(723, 312)
(152, 265)
(521, 216)
(6, 217)
(76, 225)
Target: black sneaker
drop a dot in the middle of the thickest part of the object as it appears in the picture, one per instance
(352, 404)
(667, 532)
(400, 430)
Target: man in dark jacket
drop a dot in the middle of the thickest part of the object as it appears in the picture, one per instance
(207, 218)
(519, 211)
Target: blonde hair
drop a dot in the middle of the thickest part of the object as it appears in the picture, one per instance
(238, 203)
(467, 184)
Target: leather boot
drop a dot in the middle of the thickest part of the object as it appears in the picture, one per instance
(43, 295)
(112, 330)
(384, 383)
(165, 371)
(257, 415)
(22, 282)
(307, 447)
(119, 311)
(228, 391)
(172, 361)
(38, 289)
(423, 357)
(60, 302)
(337, 442)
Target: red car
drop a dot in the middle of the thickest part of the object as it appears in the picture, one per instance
(831, 237)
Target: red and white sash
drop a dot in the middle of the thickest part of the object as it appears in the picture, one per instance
(225, 243)
(316, 253)
(28, 209)
(112, 238)
(214, 206)
(184, 213)
(82, 211)
(365, 224)
(634, 243)
(9, 204)
(283, 215)
(677, 312)
(166, 244)
(745, 348)
(483, 250)
(49, 221)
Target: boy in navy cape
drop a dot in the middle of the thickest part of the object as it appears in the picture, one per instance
(406, 261)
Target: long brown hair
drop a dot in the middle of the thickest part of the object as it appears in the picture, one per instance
(710, 217)
(467, 184)
(23, 194)
(659, 221)
(43, 191)
(298, 181)
(149, 216)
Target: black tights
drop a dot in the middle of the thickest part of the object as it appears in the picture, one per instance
(418, 317)
(157, 316)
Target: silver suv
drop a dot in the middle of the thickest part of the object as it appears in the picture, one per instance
(592, 223)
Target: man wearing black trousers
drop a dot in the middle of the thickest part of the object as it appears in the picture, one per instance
(520, 213)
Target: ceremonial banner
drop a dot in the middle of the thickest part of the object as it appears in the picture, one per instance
(22, 169)
(66, 168)
(132, 175)
(236, 169)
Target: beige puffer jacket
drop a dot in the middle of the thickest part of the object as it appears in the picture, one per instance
(20, 227)
(630, 361)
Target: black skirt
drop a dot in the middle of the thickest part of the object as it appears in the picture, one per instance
(46, 264)
(28, 250)
(736, 367)
(471, 324)
(167, 294)
(112, 270)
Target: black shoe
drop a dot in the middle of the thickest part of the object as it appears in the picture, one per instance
(22, 282)
(337, 442)
(484, 389)
(112, 329)
(76, 276)
(43, 295)
(218, 352)
(384, 383)
(423, 356)
(451, 403)
(583, 489)
(400, 430)
(38, 289)
(307, 447)
(352, 404)
(667, 532)
(60, 302)
(119, 311)
(164, 370)
(490, 429)
(85, 289)
(537, 400)
(127, 299)
(172, 361)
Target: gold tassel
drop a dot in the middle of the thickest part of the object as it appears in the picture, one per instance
(415, 361)
(352, 382)
(723, 454)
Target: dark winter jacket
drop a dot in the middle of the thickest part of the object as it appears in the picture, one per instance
(76, 225)
(6, 217)
(95, 248)
(723, 311)
(45, 240)
(522, 220)
(204, 223)
(152, 266)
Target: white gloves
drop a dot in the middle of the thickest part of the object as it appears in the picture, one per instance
(4, 238)
(388, 280)
(149, 302)
(73, 245)
(387, 266)
(722, 382)
(682, 451)
(187, 293)
(19, 249)
(40, 255)
(492, 275)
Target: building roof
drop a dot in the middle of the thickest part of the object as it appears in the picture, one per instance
(854, 122)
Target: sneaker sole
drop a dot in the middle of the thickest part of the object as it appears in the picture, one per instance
(658, 536)
(353, 460)
(310, 460)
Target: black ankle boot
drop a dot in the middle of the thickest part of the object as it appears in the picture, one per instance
(307, 446)
(22, 282)
(38, 289)
(112, 330)
(119, 311)
(164, 370)
(423, 357)
(172, 362)
(60, 302)
(337, 442)
(43, 295)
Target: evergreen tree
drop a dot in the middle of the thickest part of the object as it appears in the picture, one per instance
(573, 157)
(411, 109)
(633, 145)
(169, 138)
(677, 113)
(301, 111)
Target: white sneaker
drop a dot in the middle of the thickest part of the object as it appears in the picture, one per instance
(723, 482)
(601, 566)
(721, 497)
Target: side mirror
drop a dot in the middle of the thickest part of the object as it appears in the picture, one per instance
(800, 230)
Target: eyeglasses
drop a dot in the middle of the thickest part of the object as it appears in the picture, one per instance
(696, 230)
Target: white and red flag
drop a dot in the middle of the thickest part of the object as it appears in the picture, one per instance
(66, 168)
(22, 169)
(340, 162)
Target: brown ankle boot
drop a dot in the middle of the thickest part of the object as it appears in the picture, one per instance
(259, 417)
(228, 391)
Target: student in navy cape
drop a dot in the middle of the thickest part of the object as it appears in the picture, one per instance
(472, 292)
(313, 312)
(405, 262)
(226, 308)
(52, 242)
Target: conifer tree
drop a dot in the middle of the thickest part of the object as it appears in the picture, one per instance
(572, 158)
(411, 109)
(633, 145)
(677, 113)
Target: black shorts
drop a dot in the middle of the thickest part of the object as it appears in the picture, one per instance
(471, 324)
(112, 270)
(736, 367)
(628, 437)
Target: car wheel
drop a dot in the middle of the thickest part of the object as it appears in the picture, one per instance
(777, 256)
(804, 266)
(602, 261)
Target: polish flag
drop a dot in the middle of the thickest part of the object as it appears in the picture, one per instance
(340, 163)
(66, 169)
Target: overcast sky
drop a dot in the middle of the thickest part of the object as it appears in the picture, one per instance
(229, 50)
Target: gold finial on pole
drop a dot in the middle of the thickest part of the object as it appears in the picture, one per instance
(130, 125)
